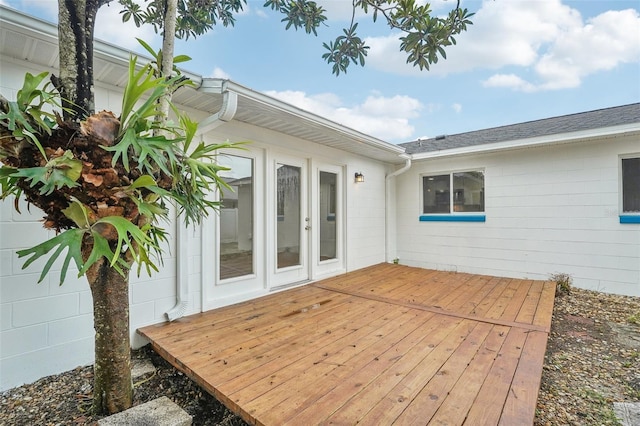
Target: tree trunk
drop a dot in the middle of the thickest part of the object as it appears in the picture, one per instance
(168, 42)
(113, 388)
(76, 22)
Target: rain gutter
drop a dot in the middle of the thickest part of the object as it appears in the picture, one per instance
(220, 86)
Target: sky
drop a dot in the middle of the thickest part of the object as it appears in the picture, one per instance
(521, 60)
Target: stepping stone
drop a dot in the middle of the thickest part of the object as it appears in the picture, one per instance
(627, 412)
(159, 412)
(141, 367)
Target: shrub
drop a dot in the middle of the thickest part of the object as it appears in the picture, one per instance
(563, 283)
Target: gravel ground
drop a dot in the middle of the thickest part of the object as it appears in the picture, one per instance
(592, 360)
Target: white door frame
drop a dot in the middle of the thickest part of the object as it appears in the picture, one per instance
(217, 292)
(296, 274)
(321, 268)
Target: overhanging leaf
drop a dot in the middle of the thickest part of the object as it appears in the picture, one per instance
(78, 213)
(128, 234)
(70, 239)
(57, 173)
(101, 249)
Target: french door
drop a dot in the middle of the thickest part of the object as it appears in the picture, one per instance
(281, 223)
(291, 223)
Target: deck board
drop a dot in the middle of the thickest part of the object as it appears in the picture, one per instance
(387, 344)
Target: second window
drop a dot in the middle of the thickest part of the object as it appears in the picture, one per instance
(459, 192)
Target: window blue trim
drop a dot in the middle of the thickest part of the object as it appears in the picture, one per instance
(453, 218)
(629, 218)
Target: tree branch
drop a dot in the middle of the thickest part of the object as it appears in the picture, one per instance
(4, 104)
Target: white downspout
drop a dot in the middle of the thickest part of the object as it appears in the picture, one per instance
(182, 271)
(226, 113)
(387, 201)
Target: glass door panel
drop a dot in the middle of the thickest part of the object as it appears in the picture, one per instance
(236, 219)
(327, 215)
(289, 216)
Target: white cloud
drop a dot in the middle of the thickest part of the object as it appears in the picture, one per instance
(110, 28)
(509, 81)
(604, 42)
(261, 13)
(337, 10)
(548, 37)
(43, 9)
(219, 73)
(457, 108)
(109, 25)
(383, 117)
(340, 10)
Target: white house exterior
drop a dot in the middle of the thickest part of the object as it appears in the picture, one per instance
(553, 201)
(283, 229)
(541, 202)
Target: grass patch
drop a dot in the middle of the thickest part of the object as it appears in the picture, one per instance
(602, 412)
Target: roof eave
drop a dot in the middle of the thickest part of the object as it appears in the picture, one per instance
(216, 85)
(46, 31)
(557, 139)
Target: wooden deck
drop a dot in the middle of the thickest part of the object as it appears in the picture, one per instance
(384, 345)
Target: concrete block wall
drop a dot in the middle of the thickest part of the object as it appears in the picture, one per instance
(366, 214)
(44, 327)
(47, 328)
(551, 209)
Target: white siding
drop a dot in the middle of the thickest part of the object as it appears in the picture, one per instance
(548, 210)
(46, 328)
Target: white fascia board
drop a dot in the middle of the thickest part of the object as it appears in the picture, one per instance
(40, 29)
(557, 139)
(214, 85)
(27, 24)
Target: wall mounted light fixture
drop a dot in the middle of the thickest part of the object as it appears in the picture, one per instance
(359, 177)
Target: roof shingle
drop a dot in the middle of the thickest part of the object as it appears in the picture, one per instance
(615, 116)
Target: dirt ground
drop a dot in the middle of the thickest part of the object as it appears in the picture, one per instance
(592, 359)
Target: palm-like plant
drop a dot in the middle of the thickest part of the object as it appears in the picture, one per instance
(104, 185)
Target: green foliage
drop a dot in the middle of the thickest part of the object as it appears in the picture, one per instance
(563, 283)
(70, 239)
(132, 242)
(424, 38)
(57, 173)
(157, 58)
(427, 35)
(136, 136)
(26, 116)
(299, 14)
(9, 183)
(195, 17)
(346, 49)
(159, 150)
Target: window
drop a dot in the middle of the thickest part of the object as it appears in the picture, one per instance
(236, 219)
(630, 189)
(327, 215)
(467, 195)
